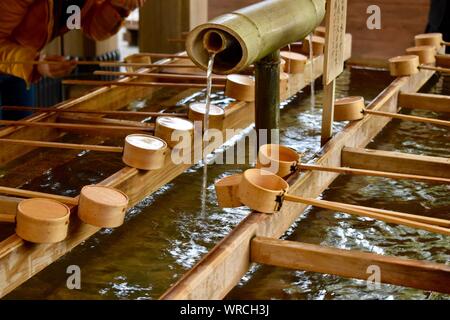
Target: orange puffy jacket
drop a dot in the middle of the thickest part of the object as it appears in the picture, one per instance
(26, 26)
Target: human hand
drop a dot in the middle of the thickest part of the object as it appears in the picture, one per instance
(59, 70)
(128, 4)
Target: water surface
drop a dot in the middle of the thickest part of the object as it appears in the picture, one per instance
(168, 233)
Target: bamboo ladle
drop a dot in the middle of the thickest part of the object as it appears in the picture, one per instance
(112, 113)
(431, 39)
(353, 108)
(403, 66)
(295, 62)
(139, 84)
(426, 54)
(284, 161)
(44, 218)
(265, 192)
(227, 192)
(141, 151)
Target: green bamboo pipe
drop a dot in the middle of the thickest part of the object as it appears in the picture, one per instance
(247, 35)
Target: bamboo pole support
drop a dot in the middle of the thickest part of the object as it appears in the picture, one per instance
(139, 84)
(267, 94)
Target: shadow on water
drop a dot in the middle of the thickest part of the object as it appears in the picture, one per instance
(166, 234)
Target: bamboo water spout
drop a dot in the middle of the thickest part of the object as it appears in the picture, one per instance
(247, 35)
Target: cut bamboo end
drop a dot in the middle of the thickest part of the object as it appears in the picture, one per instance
(402, 66)
(317, 43)
(262, 191)
(42, 220)
(197, 112)
(426, 54)
(295, 62)
(278, 159)
(227, 191)
(102, 207)
(429, 39)
(349, 109)
(144, 152)
(171, 130)
(240, 87)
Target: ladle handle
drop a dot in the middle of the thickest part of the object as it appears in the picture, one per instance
(409, 118)
(336, 206)
(124, 113)
(57, 145)
(7, 218)
(97, 83)
(33, 194)
(413, 217)
(373, 173)
(70, 126)
(438, 69)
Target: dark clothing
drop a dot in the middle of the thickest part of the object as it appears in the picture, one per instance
(14, 92)
(439, 19)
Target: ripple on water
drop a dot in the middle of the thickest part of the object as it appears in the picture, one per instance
(166, 234)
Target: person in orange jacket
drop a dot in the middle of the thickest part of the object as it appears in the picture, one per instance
(26, 26)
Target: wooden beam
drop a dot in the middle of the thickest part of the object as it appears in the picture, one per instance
(224, 266)
(396, 162)
(328, 112)
(351, 264)
(424, 101)
(443, 60)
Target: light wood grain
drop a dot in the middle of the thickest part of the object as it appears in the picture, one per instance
(431, 102)
(350, 264)
(396, 162)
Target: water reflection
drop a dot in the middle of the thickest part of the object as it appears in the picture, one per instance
(165, 234)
